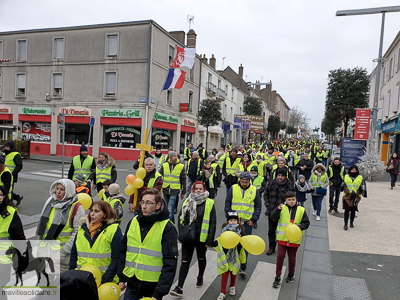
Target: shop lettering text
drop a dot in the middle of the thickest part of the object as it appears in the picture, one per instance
(75, 111)
(121, 113)
(165, 118)
(34, 110)
(4, 110)
(189, 123)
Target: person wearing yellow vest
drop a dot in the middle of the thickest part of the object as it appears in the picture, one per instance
(149, 254)
(174, 182)
(257, 180)
(98, 242)
(116, 201)
(106, 185)
(187, 153)
(244, 166)
(354, 188)
(229, 167)
(260, 164)
(246, 201)
(319, 179)
(269, 159)
(153, 179)
(229, 260)
(283, 215)
(336, 173)
(319, 156)
(105, 169)
(14, 164)
(200, 210)
(6, 178)
(210, 177)
(202, 152)
(194, 167)
(80, 184)
(281, 164)
(82, 164)
(325, 155)
(60, 219)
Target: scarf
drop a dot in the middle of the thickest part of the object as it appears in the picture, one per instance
(253, 176)
(191, 205)
(101, 167)
(207, 172)
(246, 164)
(94, 227)
(318, 173)
(301, 187)
(60, 218)
(231, 254)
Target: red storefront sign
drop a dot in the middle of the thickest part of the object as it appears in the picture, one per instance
(363, 120)
(184, 106)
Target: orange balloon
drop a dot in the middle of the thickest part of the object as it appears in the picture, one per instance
(130, 179)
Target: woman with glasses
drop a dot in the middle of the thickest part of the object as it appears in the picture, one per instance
(98, 242)
(200, 209)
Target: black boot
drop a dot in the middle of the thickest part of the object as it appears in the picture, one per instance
(345, 227)
(351, 224)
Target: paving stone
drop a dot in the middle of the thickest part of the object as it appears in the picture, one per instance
(316, 262)
(347, 288)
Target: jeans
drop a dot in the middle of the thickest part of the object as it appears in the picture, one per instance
(393, 179)
(300, 203)
(171, 199)
(189, 186)
(325, 161)
(227, 189)
(332, 190)
(272, 234)
(131, 295)
(317, 204)
(248, 231)
(187, 254)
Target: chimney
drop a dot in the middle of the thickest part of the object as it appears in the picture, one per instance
(191, 39)
(258, 87)
(241, 71)
(179, 35)
(205, 59)
(212, 61)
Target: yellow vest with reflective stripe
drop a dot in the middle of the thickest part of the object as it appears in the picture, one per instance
(144, 260)
(112, 203)
(153, 180)
(243, 206)
(198, 166)
(5, 242)
(257, 182)
(187, 153)
(296, 159)
(231, 169)
(330, 172)
(221, 160)
(10, 161)
(269, 160)
(284, 220)
(222, 260)
(259, 165)
(102, 175)
(99, 254)
(172, 179)
(353, 185)
(321, 182)
(11, 185)
(85, 168)
(205, 225)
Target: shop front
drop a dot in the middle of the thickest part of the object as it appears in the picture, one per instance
(35, 123)
(77, 128)
(163, 130)
(397, 135)
(388, 130)
(6, 122)
(121, 130)
(188, 131)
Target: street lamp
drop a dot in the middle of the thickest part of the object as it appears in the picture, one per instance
(368, 11)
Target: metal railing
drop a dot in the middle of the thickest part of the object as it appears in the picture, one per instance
(221, 93)
(211, 88)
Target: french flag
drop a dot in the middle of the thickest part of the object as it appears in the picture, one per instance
(175, 79)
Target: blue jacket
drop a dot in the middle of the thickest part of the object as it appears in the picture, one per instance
(116, 246)
(192, 167)
(257, 205)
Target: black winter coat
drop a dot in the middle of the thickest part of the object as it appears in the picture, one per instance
(169, 252)
(77, 282)
(275, 194)
(16, 229)
(199, 220)
(18, 164)
(309, 166)
(193, 168)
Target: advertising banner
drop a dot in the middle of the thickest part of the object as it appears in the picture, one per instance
(121, 136)
(161, 138)
(245, 125)
(237, 123)
(36, 131)
(256, 122)
(363, 120)
(351, 151)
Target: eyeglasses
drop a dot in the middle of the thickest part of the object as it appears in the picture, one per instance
(147, 203)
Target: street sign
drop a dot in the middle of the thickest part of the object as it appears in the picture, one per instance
(92, 121)
(351, 151)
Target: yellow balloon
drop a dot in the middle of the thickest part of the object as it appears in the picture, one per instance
(95, 271)
(146, 298)
(138, 183)
(229, 239)
(140, 173)
(130, 179)
(85, 200)
(100, 194)
(130, 190)
(292, 232)
(253, 244)
(109, 291)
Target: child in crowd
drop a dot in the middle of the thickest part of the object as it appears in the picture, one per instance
(229, 260)
(81, 184)
(284, 214)
(106, 184)
(116, 201)
(301, 187)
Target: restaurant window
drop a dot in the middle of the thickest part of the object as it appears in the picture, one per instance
(76, 133)
(121, 136)
(161, 138)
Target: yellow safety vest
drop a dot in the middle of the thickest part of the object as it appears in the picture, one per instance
(84, 168)
(317, 183)
(330, 172)
(257, 182)
(353, 185)
(284, 220)
(99, 254)
(112, 203)
(102, 175)
(259, 165)
(153, 180)
(172, 179)
(231, 169)
(243, 206)
(10, 161)
(269, 160)
(222, 260)
(144, 260)
(11, 185)
(187, 153)
(325, 153)
(205, 224)
(5, 242)
(198, 166)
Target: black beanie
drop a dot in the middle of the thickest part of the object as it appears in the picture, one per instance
(282, 171)
(232, 215)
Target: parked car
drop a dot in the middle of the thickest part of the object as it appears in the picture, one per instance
(334, 153)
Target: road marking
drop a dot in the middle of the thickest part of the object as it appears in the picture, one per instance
(263, 276)
(210, 274)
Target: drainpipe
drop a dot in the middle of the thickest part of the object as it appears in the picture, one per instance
(198, 108)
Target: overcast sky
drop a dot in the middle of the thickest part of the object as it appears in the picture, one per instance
(293, 43)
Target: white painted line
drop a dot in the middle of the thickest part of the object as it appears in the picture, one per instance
(263, 276)
(48, 174)
(190, 291)
(31, 232)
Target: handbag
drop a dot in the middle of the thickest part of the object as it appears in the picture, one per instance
(187, 233)
(389, 168)
(321, 191)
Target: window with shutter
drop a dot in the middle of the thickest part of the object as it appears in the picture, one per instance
(169, 97)
(380, 109)
(112, 45)
(398, 60)
(21, 85)
(1, 49)
(395, 99)
(111, 83)
(392, 67)
(59, 48)
(171, 51)
(57, 81)
(386, 105)
(190, 100)
(21, 51)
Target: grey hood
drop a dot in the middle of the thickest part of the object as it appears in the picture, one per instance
(69, 185)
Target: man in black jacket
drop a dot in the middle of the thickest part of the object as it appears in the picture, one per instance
(14, 164)
(154, 212)
(193, 171)
(305, 166)
(275, 195)
(229, 167)
(336, 173)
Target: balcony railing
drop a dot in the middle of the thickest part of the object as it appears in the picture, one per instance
(221, 94)
(211, 88)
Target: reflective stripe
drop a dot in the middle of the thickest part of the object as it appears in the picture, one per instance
(206, 221)
(173, 176)
(221, 263)
(4, 238)
(142, 267)
(247, 204)
(282, 224)
(280, 232)
(144, 251)
(94, 255)
(204, 231)
(65, 233)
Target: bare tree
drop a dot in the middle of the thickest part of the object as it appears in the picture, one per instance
(299, 118)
